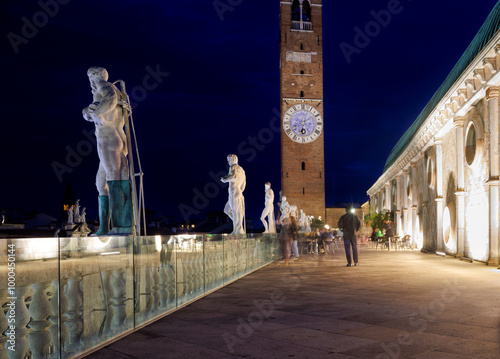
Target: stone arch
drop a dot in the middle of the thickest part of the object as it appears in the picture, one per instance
(306, 11)
(450, 202)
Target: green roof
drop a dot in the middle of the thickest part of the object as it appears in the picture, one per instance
(485, 34)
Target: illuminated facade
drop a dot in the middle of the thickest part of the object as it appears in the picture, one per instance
(441, 180)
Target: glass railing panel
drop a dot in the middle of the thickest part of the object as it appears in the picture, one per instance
(213, 259)
(154, 277)
(29, 279)
(73, 294)
(234, 255)
(97, 301)
(190, 268)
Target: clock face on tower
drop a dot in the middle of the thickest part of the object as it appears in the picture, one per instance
(303, 123)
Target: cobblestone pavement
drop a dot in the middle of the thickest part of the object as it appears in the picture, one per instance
(398, 304)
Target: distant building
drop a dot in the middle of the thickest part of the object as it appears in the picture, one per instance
(336, 211)
(441, 180)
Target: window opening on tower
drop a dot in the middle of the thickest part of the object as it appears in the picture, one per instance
(301, 15)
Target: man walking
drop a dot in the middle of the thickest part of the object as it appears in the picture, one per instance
(349, 224)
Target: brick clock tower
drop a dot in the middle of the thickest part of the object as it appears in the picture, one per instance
(302, 135)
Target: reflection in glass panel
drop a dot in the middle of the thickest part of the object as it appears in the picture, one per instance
(154, 277)
(190, 268)
(214, 253)
(98, 278)
(74, 294)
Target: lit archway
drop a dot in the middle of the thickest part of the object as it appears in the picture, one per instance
(448, 237)
(419, 241)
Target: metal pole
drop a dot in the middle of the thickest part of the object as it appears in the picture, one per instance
(136, 220)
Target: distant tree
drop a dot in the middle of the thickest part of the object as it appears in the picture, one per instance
(379, 219)
(317, 223)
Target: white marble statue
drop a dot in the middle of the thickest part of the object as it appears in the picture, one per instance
(301, 219)
(83, 216)
(107, 112)
(285, 209)
(268, 210)
(305, 222)
(76, 214)
(235, 206)
(294, 211)
(70, 215)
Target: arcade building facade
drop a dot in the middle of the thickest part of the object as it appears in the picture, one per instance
(441, 180)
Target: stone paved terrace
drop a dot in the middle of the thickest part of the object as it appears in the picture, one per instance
(394, 305)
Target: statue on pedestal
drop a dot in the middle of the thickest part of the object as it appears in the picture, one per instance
(285, 209)
(112, 180)
(305, 222)
(70, 215)
(301, 219)
(268, 210)
(83, 217)
(77, 212)
(235, 206)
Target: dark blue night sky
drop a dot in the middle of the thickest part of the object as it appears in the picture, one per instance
(213, 89)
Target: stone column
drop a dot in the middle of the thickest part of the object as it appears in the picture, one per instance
(380, 202)
(397, 217)
(414, 205)
(439, 193)
(388, 196)
(405, 202)
(459, 133)
(493, 181)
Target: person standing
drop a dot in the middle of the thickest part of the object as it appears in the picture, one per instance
(295, 237)
(286, 237)
(349, 224)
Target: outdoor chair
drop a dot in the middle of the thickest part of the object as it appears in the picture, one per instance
(406, 242)
(396, 242)
(383, 243)
(329, 247)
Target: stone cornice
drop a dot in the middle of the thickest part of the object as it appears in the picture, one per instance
(492, 92)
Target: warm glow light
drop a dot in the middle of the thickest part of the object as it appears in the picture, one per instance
(95, 244)
(39, 248)
(327, 226)
(158, 243)
(449, 241)
(420, 236)
(476, 221)
(109, 253)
